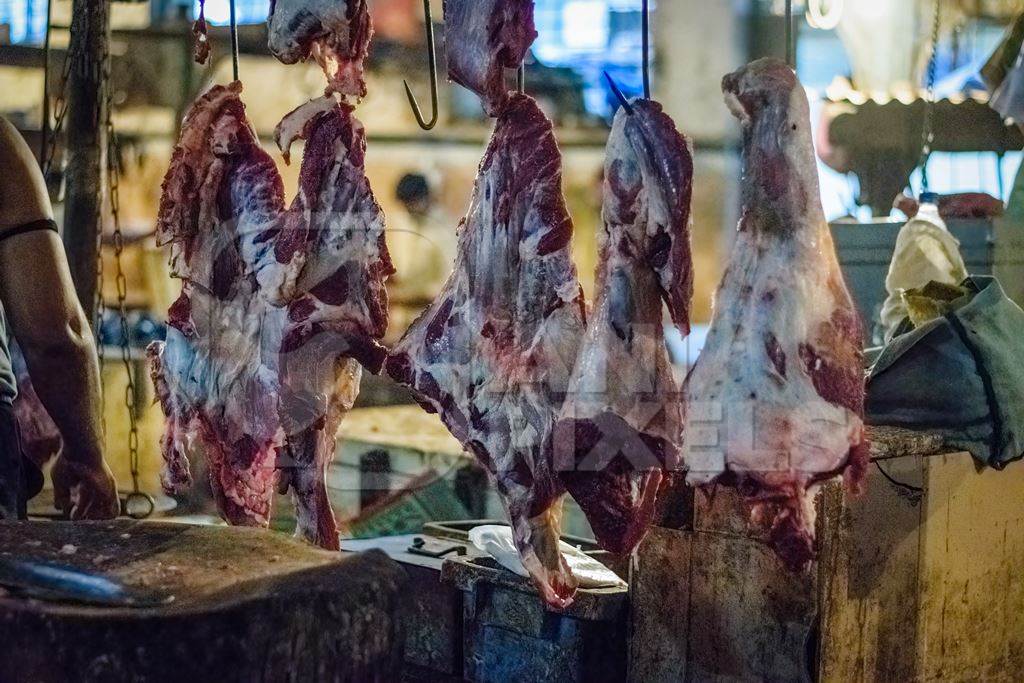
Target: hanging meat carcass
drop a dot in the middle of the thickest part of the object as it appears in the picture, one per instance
(276, 307)
(218, 395)
(775, 401)
(335, 33)
(337, 310)
(482, 39)
(620, 427)
(492, 354)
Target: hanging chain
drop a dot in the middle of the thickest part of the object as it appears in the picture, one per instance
(927, 130)
(60, 108)
(121, 280)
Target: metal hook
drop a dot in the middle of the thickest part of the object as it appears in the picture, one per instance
(234, 40)
(646, 28)
(521, 78)
(432, 61)
(618, 94)
(790, 37)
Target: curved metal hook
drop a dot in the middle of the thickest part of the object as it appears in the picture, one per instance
(432, 61)
(618, 94)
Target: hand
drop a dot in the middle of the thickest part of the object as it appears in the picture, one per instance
(84, 491)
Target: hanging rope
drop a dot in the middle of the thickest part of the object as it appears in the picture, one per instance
(234, 41)
(927, 130)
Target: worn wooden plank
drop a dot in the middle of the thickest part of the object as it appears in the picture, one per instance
(659, 594)
(868, 577)
(972, 561)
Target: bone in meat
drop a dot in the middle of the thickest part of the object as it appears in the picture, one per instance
(621, 423)
(775, 402)
(493, 353)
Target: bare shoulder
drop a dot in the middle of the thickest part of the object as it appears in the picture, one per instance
(23, 196)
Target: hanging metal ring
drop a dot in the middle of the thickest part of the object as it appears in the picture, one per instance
(138, 505)
(432, 64)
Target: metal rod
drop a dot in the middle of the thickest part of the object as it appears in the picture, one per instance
(646, 29)
(618, 94)
(432, 65)
(45, 123)
(790, 36)
(521, 78)
(234, 40)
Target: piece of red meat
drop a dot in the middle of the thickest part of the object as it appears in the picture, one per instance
(961, 205)
(493, 353)
(277, 306)
(336, 33)
(775, 402)
(40, 439)
(201, 44)
(338, 311)
(621, 424)
(482, 39)
(219, 397)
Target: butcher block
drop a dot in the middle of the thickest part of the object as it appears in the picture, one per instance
(918, 579)
(224, 604)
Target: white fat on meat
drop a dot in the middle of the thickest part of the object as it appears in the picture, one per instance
(619, 430)
(492, 354)
(775, 401)
(255, 376)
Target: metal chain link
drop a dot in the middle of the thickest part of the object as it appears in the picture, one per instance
(927, 130)
(121, 281)
(60, 108)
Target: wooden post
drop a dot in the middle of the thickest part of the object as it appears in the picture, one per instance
(86, 144)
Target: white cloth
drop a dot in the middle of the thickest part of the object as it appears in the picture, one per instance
(925, 252)
(496, 541)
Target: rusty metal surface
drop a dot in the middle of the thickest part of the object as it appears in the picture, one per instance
(509, 634)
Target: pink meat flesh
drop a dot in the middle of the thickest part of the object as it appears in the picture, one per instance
(494, 351)
(775, 402)
(336, 33)
(482, 39)
(277, 306)
(620, 426)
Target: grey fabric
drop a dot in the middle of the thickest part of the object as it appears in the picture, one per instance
(8, 384)
(961, 376)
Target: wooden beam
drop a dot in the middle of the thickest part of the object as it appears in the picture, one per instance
(86, 144)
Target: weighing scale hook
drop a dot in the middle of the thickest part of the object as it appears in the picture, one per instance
(432, 63)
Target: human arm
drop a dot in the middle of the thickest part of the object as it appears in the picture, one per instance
(48, 321)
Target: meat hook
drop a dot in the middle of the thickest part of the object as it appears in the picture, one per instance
(432, 61)
(618, 94)
(645, 23)
(234, 40)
